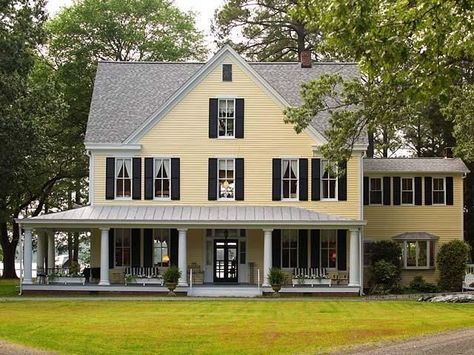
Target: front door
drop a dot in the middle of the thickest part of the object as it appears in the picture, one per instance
(225, 260)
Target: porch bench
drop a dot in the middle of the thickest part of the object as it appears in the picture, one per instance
(312, 282)
(468, 283)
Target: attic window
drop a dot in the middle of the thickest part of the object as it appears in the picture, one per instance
(226, 72)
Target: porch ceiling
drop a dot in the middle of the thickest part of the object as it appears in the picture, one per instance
(189, 216)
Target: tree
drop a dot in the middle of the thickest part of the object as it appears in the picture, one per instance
(271, 30)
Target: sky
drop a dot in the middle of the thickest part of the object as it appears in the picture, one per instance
(204, 10)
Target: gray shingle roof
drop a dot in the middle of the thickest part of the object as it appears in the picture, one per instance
(189, 215)
(415, 165)
(127, 93)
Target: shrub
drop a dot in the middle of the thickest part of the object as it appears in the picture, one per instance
(385, 277)
(386, 250)
(452, 258)
(418, 284)
(172, 275)
(275, 276)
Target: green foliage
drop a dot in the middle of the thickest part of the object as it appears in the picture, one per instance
(451, 259)
(385, 277)
(418, 284)
(386, 250)
(172, 274)
(275, 276)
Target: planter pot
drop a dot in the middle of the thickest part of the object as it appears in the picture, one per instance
(171, 287)
(276, 288)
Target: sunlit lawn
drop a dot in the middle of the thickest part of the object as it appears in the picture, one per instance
(227, 326)
(8, 288)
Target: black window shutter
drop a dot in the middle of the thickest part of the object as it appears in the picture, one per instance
(315, 179)
(342, 182)
(418, 191)
(428, 190)
(276, 179)
(137, 179)
(239, 179)
(449, 190)
(366, 190)
(213, 118)
(109, 178)
(174, 244)
(276, 249)
(303, 248)
(212, 180)
(175, 178)
(386, 190)
(396, 190)
(148, 247)
(111, 248)
(148, 178)
(239, 118)
(315, 240)
(341, 249)
(303, 170)
(135, 247)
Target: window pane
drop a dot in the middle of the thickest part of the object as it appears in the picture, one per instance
(422, 253)
(438, 197)
(126, 257)
(411, 253)
(432, 254)
(286, 189)
(293, 258)
(166, 188)
(285, 262)
(127, 188)
(332, 189)
(230, 127)
(294, 169)
(376, 197)
(407, 197)
(294, 187)
(119, 188)
(325, 189)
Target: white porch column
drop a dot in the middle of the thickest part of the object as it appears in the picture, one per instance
(267, 255)
(51, 252)
(28, 257)
(182, 257)
(104, 257)
(40, 252)
(354, 260)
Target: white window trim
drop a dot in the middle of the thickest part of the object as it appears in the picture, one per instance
(227, 118)
(433, 191)
(123, 198)
(297, 251)
(428, 255)
(321, 254)
(289, 199)
(218, 187)
(154, 178)
(336, 192)
(115, 248)
(381, 191)
(412, 191)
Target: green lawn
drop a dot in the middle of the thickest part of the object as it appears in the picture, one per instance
(8, 288)
(227, 326)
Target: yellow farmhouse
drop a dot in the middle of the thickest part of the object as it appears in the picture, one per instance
(192, 165)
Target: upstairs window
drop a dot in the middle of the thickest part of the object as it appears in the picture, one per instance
(289, 177)
(122, 247)
(226, 72)
(226, 176)
(375, 193)
(123, 178)
(162, 178)
(226, 117)
(289, 248)
(328, 180)
(407, 191)
(439, 191)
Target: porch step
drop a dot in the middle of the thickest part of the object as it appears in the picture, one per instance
(224, 291)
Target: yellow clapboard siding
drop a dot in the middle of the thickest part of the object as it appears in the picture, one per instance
(183, 133)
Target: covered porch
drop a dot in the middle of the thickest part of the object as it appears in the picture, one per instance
(214, 247)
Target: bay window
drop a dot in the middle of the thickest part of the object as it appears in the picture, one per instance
(418, 254)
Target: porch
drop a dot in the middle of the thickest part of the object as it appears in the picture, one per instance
(318, 253)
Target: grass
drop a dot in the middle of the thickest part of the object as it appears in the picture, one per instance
(8, 288)
(227, 326)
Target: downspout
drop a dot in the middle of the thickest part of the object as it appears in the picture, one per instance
(91, 177)
(21, 259)
(361, 234)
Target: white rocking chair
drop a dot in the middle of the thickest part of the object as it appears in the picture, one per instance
(468, 283)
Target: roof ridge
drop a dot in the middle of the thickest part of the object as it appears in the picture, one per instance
(411, 158)
(145, 62)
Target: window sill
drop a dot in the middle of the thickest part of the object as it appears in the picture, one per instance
(162, 199)
(226, 137)
(123, 198)
(329, 200)
(226, 199)
(290, 200)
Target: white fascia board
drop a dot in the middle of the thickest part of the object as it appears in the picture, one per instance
(194, 81)
(113, 148)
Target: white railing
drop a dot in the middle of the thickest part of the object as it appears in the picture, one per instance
(310, 273)
(142, 271)
(470, 269)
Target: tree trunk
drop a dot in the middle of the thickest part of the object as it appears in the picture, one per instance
(370, 148)
(9, 250)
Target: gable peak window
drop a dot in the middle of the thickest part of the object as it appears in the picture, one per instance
(225, 181)
(375, 192)
(407, 191)
(226, 117)
(289, 176)
(226, 72)
(162, 178)
(123, 178)
(439, 191)
(329, 180)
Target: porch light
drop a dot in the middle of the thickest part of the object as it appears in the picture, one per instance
(166, 259)
(226, 184)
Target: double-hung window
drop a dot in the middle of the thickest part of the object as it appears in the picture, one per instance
(328, 180)
(289, 177)
(122, 247)
(226, 117)
(328, 249)
(226, 179)
(162, 178)
(439, 191)
(407, 191)
(375, 194)
(418, 254)
(161, 247)
(289, 248)
(123, 178)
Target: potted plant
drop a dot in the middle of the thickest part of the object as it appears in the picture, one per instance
(275, 278)
(171, 277)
